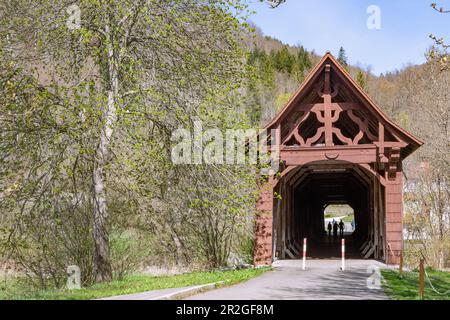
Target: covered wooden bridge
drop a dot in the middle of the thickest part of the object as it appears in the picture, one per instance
(335, 147)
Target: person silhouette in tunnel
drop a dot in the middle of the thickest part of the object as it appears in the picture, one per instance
(335, 229)
(330, 227)
(341, 228)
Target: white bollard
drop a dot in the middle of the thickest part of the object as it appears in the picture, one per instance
(304, 254)
(343, 254)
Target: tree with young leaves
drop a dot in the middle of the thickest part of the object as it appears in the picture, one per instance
(274, 3)
(158, 63)
(440, 52)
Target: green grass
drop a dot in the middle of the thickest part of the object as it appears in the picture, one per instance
(348, 218)
(16, 289)
(407, 288)
(333, 215)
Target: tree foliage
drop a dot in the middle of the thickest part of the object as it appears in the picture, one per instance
(278, 70)
(440, 51)
(361, 79)
(86, 133)
(417, 98)
(342, 58)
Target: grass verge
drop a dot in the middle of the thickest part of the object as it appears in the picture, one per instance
(348, 218)
(407, 288)
(16, 289)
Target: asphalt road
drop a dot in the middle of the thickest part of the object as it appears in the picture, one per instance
(322, 280)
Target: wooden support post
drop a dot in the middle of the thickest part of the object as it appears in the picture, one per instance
(277, 225)
(289, 214)
(376, 211)
(283, 220)
(394, 219)
(263, 225)
(304, 255)
(381, 142)
(327, 105)
(421, 280)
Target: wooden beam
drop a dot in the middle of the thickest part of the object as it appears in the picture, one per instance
(328, 113)
(335, 106)
(289, 253)
(370, 252)
(391, 144)
(354, 154)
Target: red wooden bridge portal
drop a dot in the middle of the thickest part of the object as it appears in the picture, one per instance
(336, 146)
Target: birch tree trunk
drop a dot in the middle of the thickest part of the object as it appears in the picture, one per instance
(103, 270)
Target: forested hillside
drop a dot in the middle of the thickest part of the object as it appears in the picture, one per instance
(278, 70)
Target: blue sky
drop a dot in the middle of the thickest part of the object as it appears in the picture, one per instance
(322, 25)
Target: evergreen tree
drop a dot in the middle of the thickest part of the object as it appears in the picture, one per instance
(305, 59)
(283, 60)
(303, 63)
(263, 91)
(361, 79)
(342, 58)
(298, 71)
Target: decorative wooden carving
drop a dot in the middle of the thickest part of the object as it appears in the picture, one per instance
(363, 127)
(294, 132)
(328, 114)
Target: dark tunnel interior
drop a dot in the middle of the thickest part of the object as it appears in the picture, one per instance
(299, 213)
